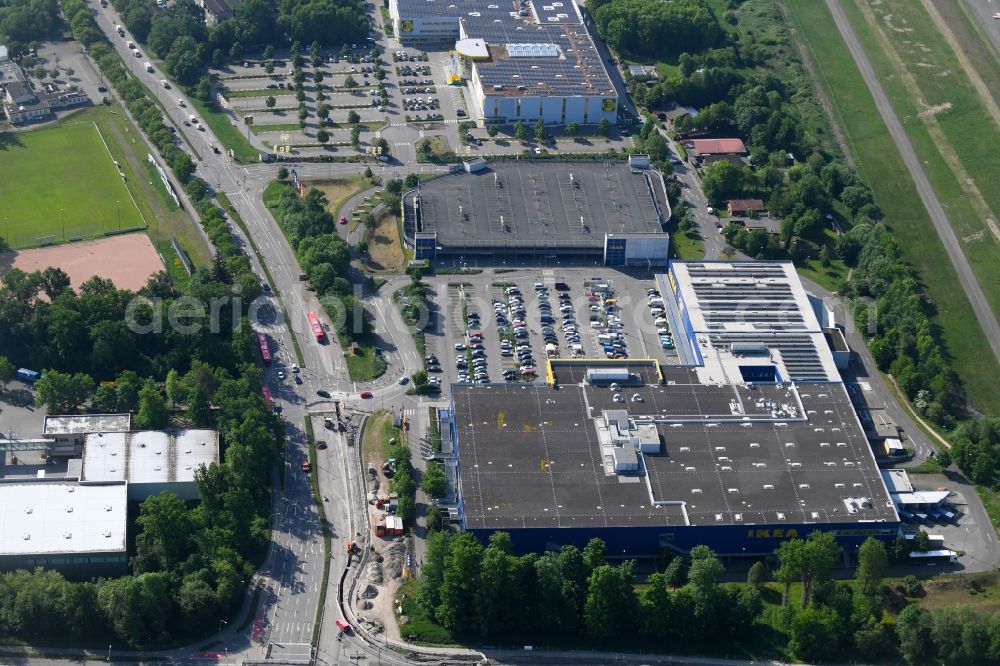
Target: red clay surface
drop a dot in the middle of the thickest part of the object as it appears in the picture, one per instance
(126, 260)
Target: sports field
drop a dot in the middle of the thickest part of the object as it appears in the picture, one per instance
(60, 183)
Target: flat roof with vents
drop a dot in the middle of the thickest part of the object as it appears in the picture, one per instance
(149, 456)
(86, 423)
(527, 204)
(731, 307)
(532, 456)
(61, 518)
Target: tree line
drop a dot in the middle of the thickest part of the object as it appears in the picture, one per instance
(487, 593)
(323, 256)
(653, 28)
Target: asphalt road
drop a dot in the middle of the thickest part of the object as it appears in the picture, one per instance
(982, 12)
(966, 277)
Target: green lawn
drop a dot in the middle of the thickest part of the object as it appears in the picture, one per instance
(879, 164)
(284, 127)
(60, 182)
(260, 92)
(232, 138)
(688, 245)
(365, 365)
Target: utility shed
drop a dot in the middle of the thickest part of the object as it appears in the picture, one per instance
(607, 375)
(151, 461)
(78, 530)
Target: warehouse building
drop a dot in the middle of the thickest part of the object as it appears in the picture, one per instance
(522, 61)
(78, 530)
(753, 442)
(613, 212)
(150, 461)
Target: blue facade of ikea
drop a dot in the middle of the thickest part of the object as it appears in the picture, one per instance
(646, 541)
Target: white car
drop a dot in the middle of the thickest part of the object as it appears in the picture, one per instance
(403, 380)
(295, 368)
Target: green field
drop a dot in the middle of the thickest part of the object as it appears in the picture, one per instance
(962, 130)
(879, 164)
(60, 184)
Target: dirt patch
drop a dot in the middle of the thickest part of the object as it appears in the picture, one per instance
(385, 252)
(338, 191)
(981, 591)
(128, 260)
(937, 108)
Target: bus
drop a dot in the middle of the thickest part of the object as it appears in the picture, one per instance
(317, 328)
(267, 396)
(265, 349)
(943, 556)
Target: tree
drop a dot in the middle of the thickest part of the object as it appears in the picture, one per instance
(572, 129)
(913, 626)
(432, 571)
(62, 393)
(349, 82)
(270, 101)
(322, 136)
(6, 372)
(353, 118)
(173, 387)
(269, 52)
(809, 560)
(492, 130)
(757, 575)
(318, 78)
(498, 596)
(152, 413)
(166, 525)
(520, 131)
(595, 554)
(722, 180)
(676, 572)
(198, 408)
(356, 136)
(323, 111)
(411, 181)
(282, 173)
(540, 131)
(434, 482)
(611, 606)
(814, 633)
(873, 564)
(604, 127)
(457, 610)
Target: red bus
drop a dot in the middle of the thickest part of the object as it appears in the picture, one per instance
(267, 396)
(265, 349)
(317, 328)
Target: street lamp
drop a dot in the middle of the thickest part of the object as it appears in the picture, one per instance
(221, 622)
(109, 653)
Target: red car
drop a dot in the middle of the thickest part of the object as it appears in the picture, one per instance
(366, 394)
(343, 219)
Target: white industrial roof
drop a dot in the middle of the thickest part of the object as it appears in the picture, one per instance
(86, 423)
(897, 480)
(737, 307)
(920, 497)
(47, 518)
(148, 456)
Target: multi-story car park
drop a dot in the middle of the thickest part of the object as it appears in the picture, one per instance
(526, 61)
(745, 447)
(612, 211)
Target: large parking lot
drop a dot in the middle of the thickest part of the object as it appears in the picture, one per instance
(502, 327)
